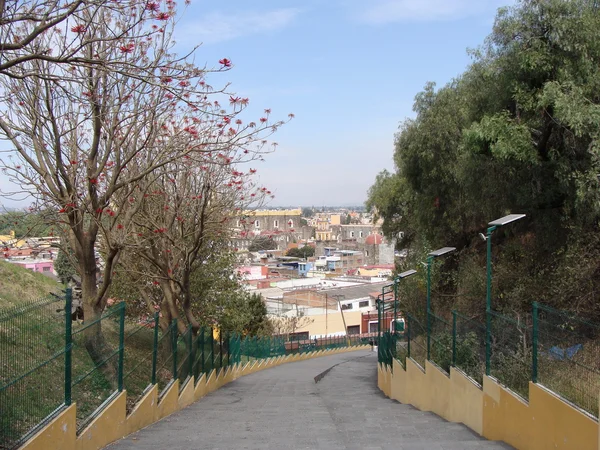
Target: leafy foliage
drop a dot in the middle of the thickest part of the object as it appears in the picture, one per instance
(262, 243)
(516, 132)
(303, 252)
(63, 267)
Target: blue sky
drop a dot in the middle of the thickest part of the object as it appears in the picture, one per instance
(348, 70)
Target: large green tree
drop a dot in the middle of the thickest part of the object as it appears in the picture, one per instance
(516, 132)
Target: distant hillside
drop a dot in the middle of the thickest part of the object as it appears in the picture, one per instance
(19, 285)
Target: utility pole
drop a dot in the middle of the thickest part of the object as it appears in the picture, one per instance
(338, 297)
(326, 308)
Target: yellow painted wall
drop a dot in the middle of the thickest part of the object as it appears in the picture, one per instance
(169, 402)
(143, 413)
(546, 422)
(200, 389)
(268, 212)
(418, 394)
(437, 390)
(399, 384)
(466, 401)
(557, 424)
(331, 323)
(505, 416)
(107, 427)
(186, 396)
(60, 433)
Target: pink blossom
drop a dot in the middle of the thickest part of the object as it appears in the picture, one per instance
(152, 6)
(127, 48)
(225, 62)
(78, 29)
(162, 16)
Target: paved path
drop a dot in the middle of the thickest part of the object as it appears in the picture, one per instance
(282, 408)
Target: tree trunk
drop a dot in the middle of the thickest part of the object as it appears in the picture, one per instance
(94, 339)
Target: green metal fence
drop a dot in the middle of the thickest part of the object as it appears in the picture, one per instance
(510, 356)
(416, 340)
(468, 346)
(440, 342)
(48, 361)
(138, 365)
(554, 348)
(95, 380)
(567, 356)
(32, 361)
(387, 349)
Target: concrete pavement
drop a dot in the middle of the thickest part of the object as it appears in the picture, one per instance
(283, 408)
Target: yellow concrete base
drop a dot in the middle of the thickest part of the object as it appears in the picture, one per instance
(186, 396)
(492, 411)
(109, 426)
(211, 382)
(60, 433)
(200, 389)
(169, 403)
(143, 413)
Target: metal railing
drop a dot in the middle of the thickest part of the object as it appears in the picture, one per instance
(48, 361)
(554, 348)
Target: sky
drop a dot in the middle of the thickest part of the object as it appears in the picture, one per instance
(349, 71)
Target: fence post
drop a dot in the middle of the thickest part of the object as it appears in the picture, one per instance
(212, 349)
(408, 335)
(428, 325)
(155, 347)
(534, 368)
(488, 342)
(220, 349)
(202, 344)
(68, 344)
(174, 344)
(190, 352)
(453, 338)
(121, 345)
(228, 342)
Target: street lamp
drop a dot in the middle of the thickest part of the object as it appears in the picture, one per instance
(488, 238)
(400, 276)
(488, 297)
(430, 257)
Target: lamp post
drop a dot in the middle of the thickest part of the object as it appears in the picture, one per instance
(406, 274)
(430, 257)
(492, 226)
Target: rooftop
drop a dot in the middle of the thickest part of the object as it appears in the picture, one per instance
(359, 291)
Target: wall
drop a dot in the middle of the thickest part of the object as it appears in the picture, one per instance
(545, 422)
(331, 323)
(113, 423)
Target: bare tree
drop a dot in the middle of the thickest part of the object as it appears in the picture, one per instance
(87, 133)
(26, 24)
(187, 214)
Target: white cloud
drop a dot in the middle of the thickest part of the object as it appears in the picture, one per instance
(388, 11)
(218, 26)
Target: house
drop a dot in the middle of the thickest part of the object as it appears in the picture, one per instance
(45, 266)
